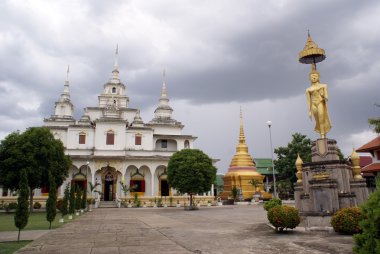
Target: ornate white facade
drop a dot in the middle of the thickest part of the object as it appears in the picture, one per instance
(111, 144)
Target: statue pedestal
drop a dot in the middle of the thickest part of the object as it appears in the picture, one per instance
(327, 185)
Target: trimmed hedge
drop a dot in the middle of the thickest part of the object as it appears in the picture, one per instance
(272, 203)
(283, 217)
(346, 220)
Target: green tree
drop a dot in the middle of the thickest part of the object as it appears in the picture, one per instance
(22, 212)
(65, 201)
(286, 156)
(51, 209)
(38, 152)
(191, 171)
(72, 200)
(368, 242)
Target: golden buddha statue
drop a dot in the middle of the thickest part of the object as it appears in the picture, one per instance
(317, 97)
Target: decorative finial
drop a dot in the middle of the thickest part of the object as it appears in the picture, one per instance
(116, 55)
(68, 71)
(163, 91)
(241, 136)
(299, 169)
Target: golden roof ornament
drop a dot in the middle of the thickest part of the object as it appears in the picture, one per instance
(311, 53)
(241, 157)
(299, 163)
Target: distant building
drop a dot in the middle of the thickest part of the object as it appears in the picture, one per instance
(371, 167)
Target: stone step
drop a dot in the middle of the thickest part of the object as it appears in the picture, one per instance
(107, 204)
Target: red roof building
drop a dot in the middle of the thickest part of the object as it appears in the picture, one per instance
(373, 147)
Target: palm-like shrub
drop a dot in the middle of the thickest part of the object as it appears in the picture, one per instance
(283, 217)
(346, 220)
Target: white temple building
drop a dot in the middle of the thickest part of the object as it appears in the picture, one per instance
(110, 143)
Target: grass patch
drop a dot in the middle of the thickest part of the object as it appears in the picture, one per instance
(37, 221)
(10, 247)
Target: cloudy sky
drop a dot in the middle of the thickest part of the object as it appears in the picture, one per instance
(218, 55)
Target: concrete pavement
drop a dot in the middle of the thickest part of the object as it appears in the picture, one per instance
(227, 229)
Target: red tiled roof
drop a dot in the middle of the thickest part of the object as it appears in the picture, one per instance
(374, 167)
(365, 160)
(370, 146)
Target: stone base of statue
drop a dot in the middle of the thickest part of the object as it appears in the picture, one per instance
(327, 185)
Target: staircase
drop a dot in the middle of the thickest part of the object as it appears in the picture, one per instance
(107, 204)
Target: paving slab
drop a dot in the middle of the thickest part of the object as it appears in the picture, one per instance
(227, 229)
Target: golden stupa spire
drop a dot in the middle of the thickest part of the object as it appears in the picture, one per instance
(241, 157)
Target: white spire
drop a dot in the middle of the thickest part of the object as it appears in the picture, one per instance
(164, 95)
(163, 109)
(115, 73)
(66, 89)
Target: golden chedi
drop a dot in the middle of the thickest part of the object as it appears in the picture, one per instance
(242, 173)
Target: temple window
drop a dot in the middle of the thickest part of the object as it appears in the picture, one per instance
(187, 144)
(138, 140)
(138, 185)
(82, 138)
(113, 89)
(164, 143)
(110, 140)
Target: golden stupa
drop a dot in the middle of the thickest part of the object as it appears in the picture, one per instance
(242, 172)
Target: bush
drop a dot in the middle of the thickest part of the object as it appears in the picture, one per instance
(283, 217)
(10, 206)
(346, 220)
(37, 205)
(272, 203)
(368, 242)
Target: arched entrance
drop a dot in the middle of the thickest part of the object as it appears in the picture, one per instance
(109, 180)
(163, 186)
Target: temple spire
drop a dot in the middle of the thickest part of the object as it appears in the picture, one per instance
(241, 157)
(66, 89)
(164, 95)
(163, 110)
(115, 73)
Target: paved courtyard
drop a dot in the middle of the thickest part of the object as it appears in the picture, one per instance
(227, 229)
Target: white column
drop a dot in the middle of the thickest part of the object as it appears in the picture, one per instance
(212, 189)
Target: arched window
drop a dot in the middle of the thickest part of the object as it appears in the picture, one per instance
(110, 140)
(187, 144)
(113, 89)
(82, 138)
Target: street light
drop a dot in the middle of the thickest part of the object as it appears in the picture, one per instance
(269, 123)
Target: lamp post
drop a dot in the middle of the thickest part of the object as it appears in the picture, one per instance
(269, 123)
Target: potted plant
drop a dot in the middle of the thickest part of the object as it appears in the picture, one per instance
(209, 203)
(91, 203)
(178, 204)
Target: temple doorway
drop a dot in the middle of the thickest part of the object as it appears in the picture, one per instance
(164, 187)
(109, 184)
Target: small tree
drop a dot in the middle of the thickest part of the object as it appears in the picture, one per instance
(22, 212)
(65, 202)
(83, 200)
(191, 171)
(51, 209)
(234, 192)
(368, 242)
(72, 200)
(255, 183)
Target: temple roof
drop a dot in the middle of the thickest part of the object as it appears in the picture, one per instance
(374, 167)
(370, 146)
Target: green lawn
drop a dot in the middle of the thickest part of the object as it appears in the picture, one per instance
(10, 247)
(37, 221)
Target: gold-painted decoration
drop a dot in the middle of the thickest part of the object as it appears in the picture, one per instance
(311, 53)
(299, 163)
(355, 160)
(242, 157)
(321, 175)
(317, 94)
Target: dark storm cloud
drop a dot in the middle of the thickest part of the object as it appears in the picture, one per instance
(215, 52)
